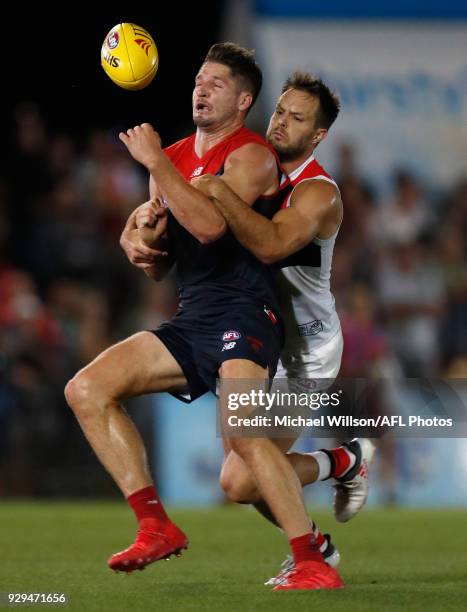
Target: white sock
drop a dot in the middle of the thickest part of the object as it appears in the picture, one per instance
(324, 464)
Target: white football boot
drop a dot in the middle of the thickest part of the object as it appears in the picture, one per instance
(352, 488)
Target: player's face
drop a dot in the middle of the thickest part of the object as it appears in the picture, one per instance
(216, 96)
(292, 129)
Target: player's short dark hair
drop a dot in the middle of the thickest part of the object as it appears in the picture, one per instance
(329, 102)
(241, 62)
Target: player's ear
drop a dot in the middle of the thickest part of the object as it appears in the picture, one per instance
(245, 101)
(319, 135)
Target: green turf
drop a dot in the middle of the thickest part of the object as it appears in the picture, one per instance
(392, 560)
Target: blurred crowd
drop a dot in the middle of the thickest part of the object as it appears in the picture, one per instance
(67, 290)
(400, 276)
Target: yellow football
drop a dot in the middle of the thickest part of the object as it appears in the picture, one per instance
(129, 56)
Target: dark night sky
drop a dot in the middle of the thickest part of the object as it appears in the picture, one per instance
(56, 62)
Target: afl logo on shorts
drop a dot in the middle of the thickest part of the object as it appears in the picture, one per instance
(113, 40)
(231, 335)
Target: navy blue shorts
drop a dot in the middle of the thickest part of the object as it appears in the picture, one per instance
(201, 342)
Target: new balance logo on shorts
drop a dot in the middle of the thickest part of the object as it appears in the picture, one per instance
(228, 345)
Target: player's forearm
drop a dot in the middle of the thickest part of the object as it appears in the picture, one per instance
(159, 270)
(256, 233)
(192, 209)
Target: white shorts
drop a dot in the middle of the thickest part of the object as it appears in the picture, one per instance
(322, 362)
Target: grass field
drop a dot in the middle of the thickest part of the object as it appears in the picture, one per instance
(392, 560)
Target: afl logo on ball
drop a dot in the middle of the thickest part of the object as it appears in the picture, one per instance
(112, 40)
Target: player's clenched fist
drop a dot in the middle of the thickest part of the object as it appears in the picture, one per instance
(149, 213)
(143, 142)
(137, 251)
(140, 238)
(151, 221)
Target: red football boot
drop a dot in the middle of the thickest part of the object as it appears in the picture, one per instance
(149, 546)
(311, 575)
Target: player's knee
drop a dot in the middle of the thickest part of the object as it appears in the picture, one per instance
(75, 392)
(79, 392)
(238, 487)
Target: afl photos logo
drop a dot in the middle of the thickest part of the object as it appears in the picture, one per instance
(112, 40)
(142, 39)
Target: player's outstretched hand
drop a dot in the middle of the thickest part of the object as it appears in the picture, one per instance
(143, 142)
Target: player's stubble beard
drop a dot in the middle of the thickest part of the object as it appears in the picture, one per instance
(290, 152)
(223, 115)
(203, 122)
(206, 122)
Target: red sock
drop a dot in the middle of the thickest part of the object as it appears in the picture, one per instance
(341, 460)
(147, 505)
(305, 548)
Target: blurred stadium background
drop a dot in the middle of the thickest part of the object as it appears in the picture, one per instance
(398, 151)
